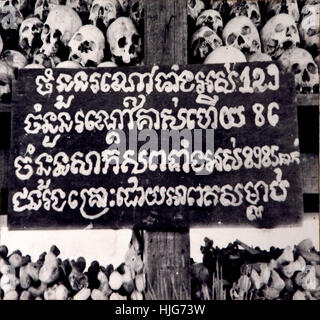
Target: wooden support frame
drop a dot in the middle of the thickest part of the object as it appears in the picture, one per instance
(166, 254)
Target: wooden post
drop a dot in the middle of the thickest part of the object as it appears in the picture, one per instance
(166, 254)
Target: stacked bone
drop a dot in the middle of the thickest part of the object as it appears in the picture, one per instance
(68, 34)
(50, 278)
(287, 31)
(254, 274)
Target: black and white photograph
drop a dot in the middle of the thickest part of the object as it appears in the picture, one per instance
(161, 150)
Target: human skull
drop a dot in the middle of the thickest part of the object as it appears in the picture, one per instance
(6, 77)
(68, 65)
(223, 7)
(225, 54)
(204, 41)
(136, 11)
(14, 59)
(60, 26)
(104, 12)
(241, 33)
(34, 66)
(45, 61)
(30, 36)
(80, 5)
(300, 62)
(124, 5)
(107, 64)
(259, 57)
(18, 4)
(43, 7)
(194, 8)
(309, 27)
(10, 17)
(87, 46)
(212, 19)
(279, 34)
(274, 7)
(124, 41)
(309, 8)
(248, 9)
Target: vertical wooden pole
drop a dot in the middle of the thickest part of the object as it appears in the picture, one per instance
(166, 254)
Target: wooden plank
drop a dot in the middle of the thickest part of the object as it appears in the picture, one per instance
(166, 257)
(166, 254)
(310, 172)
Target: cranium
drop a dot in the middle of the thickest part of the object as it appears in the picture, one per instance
(212, 19)
(274, 7)
(194, 8)
(104, 12)
(124, 5)
(225, 54)
(60, 26)
(309, 28)
(30, 36)
(241, 33)
(279, 34)
(82, 7)
(309, 8)
(6, 77)
(136, 10)
(87, 46)
(300, 62)
(43, 60)
(259, 57)
(18, 4)
(68, 65)
(107, 64)
(124, 41)
(248, 9)
(223, 7)
(14, 59)
(34, 66)
(43, 7)
(10, 16)
(203, 42)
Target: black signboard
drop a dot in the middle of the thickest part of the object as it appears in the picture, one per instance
(155, 147)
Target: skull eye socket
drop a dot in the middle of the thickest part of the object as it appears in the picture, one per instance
(279, 27)
(78, 37)
(245, 30)
(312, 68)
(95, 8)
(122, 42)
(312, 32)
(231, 38)
(294, 29)
(295, 68)
(26, 28)
(135, 39)
(39, 26)
(57, 34)
(46, 29)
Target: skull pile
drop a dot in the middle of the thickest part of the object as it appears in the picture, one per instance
(258, 31)
(68, 34)
(51, 278)
(240, 272)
